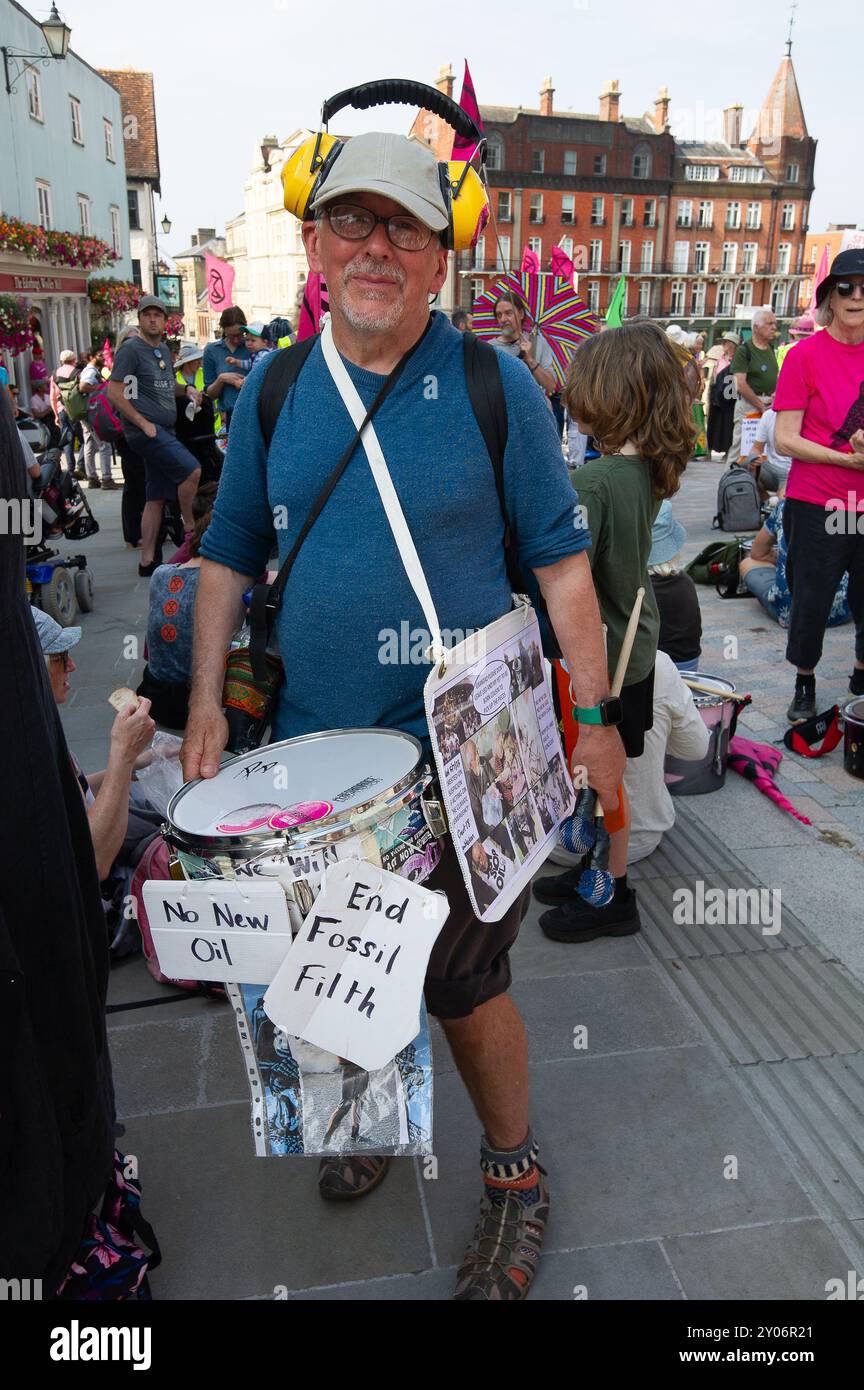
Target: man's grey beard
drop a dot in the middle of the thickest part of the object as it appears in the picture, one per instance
(361, 317)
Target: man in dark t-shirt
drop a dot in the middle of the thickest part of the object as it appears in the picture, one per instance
(143, 390)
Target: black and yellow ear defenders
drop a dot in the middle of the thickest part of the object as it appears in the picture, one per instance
(462, 185)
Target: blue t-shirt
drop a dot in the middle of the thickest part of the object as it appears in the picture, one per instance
(351, 632)
(215, 363)
(779, 596)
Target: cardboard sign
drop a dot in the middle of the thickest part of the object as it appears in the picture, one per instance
(353, 980)
(217, 929)
(749, 426)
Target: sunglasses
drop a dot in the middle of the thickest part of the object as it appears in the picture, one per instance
(62, 658)
(354, 223)
(846, 288)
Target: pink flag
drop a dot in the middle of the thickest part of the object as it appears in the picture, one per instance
(107, 354)
(820, 276)
(530, 262)
(464, 149)
(220, 282)
(315, 303)
(562, 265)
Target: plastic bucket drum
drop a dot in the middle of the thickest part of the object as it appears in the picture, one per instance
(693, 778)
(853, 738)
(287, 810)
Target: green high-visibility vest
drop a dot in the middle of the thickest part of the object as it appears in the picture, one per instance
(199, 386)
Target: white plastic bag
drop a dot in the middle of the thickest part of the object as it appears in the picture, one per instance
(163, 775)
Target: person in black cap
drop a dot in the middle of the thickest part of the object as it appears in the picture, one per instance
(820, 424)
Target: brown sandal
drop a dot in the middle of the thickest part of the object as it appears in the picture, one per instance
(352, 1175)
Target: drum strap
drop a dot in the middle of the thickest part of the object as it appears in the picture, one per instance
(267, 598)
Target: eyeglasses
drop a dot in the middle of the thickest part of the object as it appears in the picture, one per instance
(62, 657)
(354, 223)
(846, 288)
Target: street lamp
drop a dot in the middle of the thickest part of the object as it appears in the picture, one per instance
(166, 224)
(56, 34)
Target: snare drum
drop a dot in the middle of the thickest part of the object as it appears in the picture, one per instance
(288, 810)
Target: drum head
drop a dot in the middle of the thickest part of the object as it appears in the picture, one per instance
(318, 778)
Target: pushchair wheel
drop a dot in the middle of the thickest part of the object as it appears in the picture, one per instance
(84, 590)
(57, 597)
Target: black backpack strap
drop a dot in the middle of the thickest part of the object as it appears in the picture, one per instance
(486, 394)
(280, 374)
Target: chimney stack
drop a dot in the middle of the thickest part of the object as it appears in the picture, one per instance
(732, 125)
(445, 80)
(609, 99)
(547, 92)
(661, 111)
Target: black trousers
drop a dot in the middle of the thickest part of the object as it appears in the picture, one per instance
(816, 562)
(132, 506)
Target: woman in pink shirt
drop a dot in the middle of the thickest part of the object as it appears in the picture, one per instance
(820, 423)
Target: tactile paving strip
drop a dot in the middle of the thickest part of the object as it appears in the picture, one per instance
(660, 901)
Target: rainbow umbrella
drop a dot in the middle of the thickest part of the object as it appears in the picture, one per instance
(552, 306)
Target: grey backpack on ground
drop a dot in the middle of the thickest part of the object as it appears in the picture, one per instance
(738, 504)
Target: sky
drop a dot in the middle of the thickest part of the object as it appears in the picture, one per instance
(228, 72)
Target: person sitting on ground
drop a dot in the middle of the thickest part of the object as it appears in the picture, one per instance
(675, 593)
(764, 572)
(678, 731)
(770, 467)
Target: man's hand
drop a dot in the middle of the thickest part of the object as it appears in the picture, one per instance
(203, 742)
(196, 395)
(235, 379)
(601, 752)
(131, 733)
(149, 429)
(856, 442)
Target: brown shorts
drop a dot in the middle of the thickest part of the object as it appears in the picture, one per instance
(469, 964)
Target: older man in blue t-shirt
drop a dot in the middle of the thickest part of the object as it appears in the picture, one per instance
(376, 237)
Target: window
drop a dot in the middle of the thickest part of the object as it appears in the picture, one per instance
(745, 294)
(538, 161)
(569, 161)
(676, 301)
(535, 212)
(733, 216)
(626, 212)
(566, 244)
(745, 173)
(649, 213)
(494, 152)
(568, 209)
(700, 257)
(645, 297)
(505, 207)
(784, 256)
(136, 274)
(596, 255)
(685, 213)
(779, 291)
(647, 261)
(730, 257)
(535, 244)
(724, 297)
(594, 296)
(84, 214)
(697, 298)
(792, 172)
(748, 261)
(754, 216)
(597, 216)
(115, 229)
(43, 201)
(480, 253)
(34, 95)
(641, 162)
(134, 213)
(787, 217)
(681, 255)
(599, 164)
(477, 288)
(109, 140)
(624, 249)
(75, 113)
(702, 172)
(502, 258)
(706, 214)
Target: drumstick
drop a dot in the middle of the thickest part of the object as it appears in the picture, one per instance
(624, 661)
(709, 690)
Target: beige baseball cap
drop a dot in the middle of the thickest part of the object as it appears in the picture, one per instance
(393, 166)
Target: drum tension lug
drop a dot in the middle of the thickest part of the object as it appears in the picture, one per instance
(436, 817)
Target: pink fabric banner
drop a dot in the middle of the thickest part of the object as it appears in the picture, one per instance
(464, 149)
(820, 276)
(530, 262)
(315, 303)
(220, 282)
(107, 354)
(562, 265)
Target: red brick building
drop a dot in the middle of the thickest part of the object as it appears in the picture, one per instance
(704, 231)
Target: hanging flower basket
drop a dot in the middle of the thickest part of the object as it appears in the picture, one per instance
(174, 326)
(117, 296)
(56, 248)
(16, 333)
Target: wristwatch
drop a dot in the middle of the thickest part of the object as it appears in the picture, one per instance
(610, 711)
